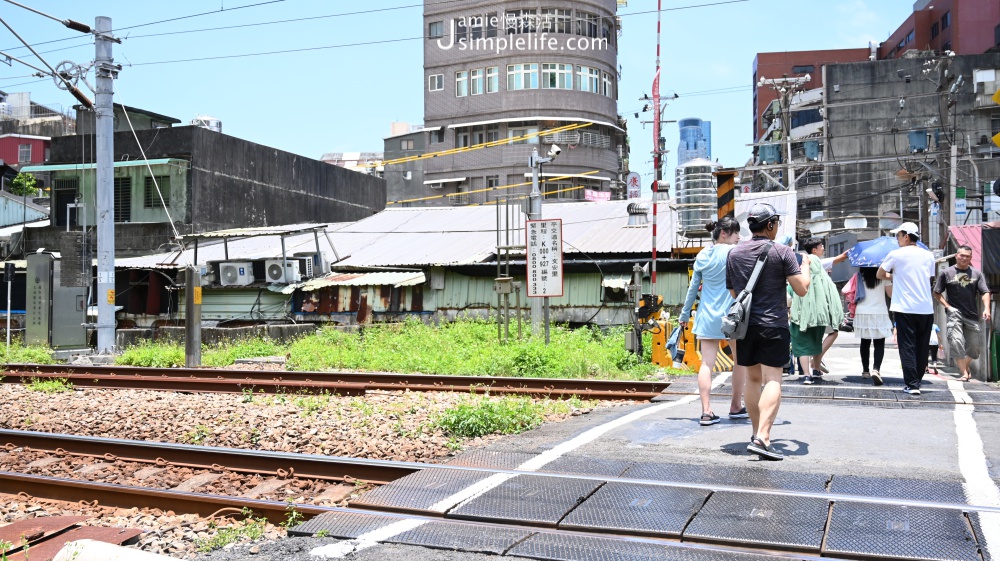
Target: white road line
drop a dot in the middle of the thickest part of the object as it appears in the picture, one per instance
(364, 541)
(972, 462)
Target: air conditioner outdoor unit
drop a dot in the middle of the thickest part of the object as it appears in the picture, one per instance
(316, 264)
(278, 271)
(236, 273)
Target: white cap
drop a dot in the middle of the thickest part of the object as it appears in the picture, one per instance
(908, 227)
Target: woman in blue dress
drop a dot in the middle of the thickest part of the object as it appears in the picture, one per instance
(710, 279)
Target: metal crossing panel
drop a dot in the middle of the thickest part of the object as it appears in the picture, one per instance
(528, 499)
(462, 537)
(729, 476)
(419, 491)
(343, 525)
(899, 532)
(918, 490)
(560, 547)
(757, 520)
(637, 509)
(491, 459)
(579, 465)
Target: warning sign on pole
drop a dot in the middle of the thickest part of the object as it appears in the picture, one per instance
(545, 258)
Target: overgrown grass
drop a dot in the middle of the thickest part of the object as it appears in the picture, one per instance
(153, 355)
(20, 354)
(480, 415)
(470, 348)
(249, 530)
(171, 355)
(50, 385)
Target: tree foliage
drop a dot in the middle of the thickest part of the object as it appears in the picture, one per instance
(24, 185)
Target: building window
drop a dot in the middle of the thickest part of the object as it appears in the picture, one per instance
(435, 30)
(435, 82)
(946, 46)
(491, 24)
(609, 89)
(557, 76)
(492, 182)
(935, 30)
(522, 77)
(437, 136)
(476, 26)
(516, 132)
(461, 83)
(406, 144)
(492, 133)
(461, 29)
(476, 82)
(461, 138)
(461, 195)
(151, 199)
(911, 37)
(946, 21)
(493, 79)
(557, 21)
(587, 24)
(803, 69)
(23, 152)
(123, 199)
(521, 21)
(588, 79)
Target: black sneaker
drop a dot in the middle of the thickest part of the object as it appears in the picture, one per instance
(709, 419)
(741, 414)
(817, 373)
(808, 380)
(912, 391)
(767, 452)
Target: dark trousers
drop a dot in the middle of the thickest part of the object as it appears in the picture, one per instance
(866, 345)
(913, 336)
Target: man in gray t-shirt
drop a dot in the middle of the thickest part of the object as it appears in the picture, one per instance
(959, 289)
(764, 350)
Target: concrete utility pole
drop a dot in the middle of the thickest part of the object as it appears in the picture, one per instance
(786, 87)
(106, 72)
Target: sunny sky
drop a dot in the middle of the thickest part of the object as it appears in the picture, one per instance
(310, 77)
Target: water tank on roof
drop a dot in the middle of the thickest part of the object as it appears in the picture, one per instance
(696, 194)
(207, 122)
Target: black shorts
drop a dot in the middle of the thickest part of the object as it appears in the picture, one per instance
(764, 345)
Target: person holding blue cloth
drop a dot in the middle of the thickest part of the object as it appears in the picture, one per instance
(709, 278)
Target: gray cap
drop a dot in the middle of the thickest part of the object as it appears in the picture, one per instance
(761, 213)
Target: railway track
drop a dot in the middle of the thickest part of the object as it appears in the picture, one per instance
(99, 451)
(342, 383)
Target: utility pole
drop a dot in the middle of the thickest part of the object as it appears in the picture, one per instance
(786, 87)
(539, 306)
(106, 72)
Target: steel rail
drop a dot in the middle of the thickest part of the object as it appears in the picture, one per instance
(249, 461)
(164, 454)
(222, 380)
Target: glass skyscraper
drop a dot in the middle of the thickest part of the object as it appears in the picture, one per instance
(696, 140)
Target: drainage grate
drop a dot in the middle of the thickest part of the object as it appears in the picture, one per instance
(941, 491)
(898, 532)
(462, 537)
(794, 390)
(865, 393)
(637, 509)
(419, 491)
(343, 525)
(761, 520)
(729, 476)
(528, 499)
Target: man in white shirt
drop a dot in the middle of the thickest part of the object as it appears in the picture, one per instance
(911, 269)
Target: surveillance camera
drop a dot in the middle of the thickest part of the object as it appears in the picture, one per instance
(902, 102)
(554, 151)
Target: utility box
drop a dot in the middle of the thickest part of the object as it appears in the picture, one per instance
(503, 285)
(55, 315)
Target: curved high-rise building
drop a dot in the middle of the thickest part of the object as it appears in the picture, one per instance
(501, 71)
(696, 140)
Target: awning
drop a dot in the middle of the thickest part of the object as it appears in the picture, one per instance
(452, 180)
(132, 163)
(534, 118)
(575, 175)
(395, 279)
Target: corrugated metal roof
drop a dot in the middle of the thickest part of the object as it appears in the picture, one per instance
(971, 236)
(260, 231)
(132, 163)
(403, 278)
(438, 236)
